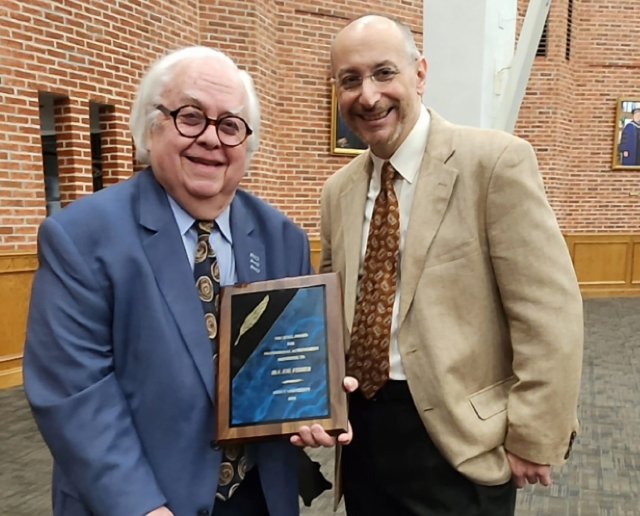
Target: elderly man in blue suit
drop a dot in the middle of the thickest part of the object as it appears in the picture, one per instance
(118, 366)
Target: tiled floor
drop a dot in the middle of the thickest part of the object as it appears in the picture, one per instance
(602, 478)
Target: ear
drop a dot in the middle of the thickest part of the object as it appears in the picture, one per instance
(148, 137)
(421, 75)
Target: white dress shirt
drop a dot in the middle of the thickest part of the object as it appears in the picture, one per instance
(406, 160)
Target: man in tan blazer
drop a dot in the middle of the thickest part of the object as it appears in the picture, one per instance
(485, 343)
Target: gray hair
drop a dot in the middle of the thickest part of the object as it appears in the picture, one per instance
(153, 84)
(253, 113)
(412, 48)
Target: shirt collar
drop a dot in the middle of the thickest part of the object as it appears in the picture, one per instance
(185, 221)
(404, 159)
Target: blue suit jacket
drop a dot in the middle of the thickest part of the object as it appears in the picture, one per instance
(117, 363)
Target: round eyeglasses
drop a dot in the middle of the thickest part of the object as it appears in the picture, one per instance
(191, 122)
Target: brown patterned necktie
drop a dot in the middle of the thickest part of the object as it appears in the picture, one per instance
(207, 275)
(368, 357)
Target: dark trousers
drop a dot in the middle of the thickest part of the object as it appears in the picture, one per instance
(391, 468)
(248, 500)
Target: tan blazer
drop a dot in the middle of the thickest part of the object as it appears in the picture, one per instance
(491, 323)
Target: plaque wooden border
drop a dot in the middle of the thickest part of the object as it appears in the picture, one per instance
(336, 422)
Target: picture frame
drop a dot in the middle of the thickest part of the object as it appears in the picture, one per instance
(281, 358)
(626, 136)
(343, 140)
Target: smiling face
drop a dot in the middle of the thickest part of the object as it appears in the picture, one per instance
(200, 173)
(382, 114)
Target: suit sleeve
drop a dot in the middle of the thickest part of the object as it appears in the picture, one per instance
(307, 268)
(542, 304)
(299, 242)
(72, 387)
(325, 232)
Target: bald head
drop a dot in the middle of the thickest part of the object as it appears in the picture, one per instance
(374, 26)
(379, 77)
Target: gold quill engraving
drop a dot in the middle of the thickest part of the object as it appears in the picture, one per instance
(253, 317)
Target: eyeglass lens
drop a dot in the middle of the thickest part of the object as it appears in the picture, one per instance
(192, 122)
(379, 76)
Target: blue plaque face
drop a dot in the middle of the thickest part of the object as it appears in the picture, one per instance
(279, 358)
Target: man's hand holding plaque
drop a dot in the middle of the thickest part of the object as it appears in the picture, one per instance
(315, 436)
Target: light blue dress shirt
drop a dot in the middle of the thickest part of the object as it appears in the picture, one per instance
(221, 241)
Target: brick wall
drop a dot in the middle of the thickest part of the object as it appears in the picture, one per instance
(80, 52)
(94, 52)
(569, 112)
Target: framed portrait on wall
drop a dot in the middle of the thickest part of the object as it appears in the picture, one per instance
(343, 140)
(626, 137)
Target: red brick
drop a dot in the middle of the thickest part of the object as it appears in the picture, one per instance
(97, 53)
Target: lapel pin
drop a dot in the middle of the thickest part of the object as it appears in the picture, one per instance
(254, 263)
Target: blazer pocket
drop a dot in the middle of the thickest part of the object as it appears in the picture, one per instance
(493, 399)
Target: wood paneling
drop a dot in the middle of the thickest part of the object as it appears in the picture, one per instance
(16, 276)
(606, 265)
(635, 266)
(315, 252)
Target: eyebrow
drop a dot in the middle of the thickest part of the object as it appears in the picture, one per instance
(185, 100)
(376, 66)
(193, 101)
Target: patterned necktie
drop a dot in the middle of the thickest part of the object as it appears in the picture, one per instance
(368, 357)
(207, 275)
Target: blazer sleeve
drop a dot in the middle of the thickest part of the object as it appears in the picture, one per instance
(72, 388)
(326, 264)
(306, 267)
(543, 306)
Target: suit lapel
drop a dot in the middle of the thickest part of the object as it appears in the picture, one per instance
(167, 258)
(352, 201)
(430, 201)
(248, 248)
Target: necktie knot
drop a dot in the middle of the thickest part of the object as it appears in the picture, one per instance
(203, 246)
(204, 227)
(388, 175)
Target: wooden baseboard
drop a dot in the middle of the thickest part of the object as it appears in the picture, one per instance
(11, 378)
(10, 370)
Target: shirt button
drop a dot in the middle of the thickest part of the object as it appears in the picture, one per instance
(203, 512)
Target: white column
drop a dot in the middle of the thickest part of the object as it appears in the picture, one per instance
(520, 70)
(469, 45)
